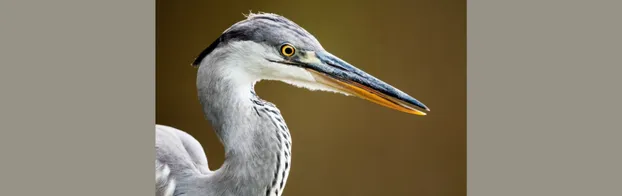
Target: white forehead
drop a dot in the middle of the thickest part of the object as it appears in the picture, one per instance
(252, 58)
(247, 62)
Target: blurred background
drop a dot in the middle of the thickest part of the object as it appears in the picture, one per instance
(342, 146)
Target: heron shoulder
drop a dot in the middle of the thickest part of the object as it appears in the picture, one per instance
(174, 145)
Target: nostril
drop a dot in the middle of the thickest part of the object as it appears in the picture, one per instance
(336, 65)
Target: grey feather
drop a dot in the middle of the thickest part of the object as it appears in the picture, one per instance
(256, 139)
(269, 29)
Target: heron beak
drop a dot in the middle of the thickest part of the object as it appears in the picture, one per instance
(330, 70)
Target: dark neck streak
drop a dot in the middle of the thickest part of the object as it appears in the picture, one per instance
(253, 146)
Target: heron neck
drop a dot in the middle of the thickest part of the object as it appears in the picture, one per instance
(253, 149)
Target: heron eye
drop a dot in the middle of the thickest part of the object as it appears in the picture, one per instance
(288, 50)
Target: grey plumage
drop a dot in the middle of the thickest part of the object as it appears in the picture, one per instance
(256, 139)
(270, 29)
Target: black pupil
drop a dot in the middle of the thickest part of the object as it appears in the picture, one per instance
(288, 50)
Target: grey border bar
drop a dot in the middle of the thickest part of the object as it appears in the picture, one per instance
(544, 98)
(77, 97)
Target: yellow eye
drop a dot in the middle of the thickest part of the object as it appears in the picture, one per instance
(288, 50)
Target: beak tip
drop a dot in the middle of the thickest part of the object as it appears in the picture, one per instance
(418, 113)
(425, 107)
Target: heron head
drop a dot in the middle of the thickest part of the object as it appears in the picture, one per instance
(271, 47)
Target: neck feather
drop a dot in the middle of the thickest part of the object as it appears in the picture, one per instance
(255, 138)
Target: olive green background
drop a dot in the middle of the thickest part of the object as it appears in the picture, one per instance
(341, 145)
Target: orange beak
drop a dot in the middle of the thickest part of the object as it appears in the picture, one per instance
(367, 93)
(332, 71)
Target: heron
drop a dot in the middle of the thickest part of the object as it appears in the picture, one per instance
(256, 140)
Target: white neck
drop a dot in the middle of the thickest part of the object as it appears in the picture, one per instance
(256, 139)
